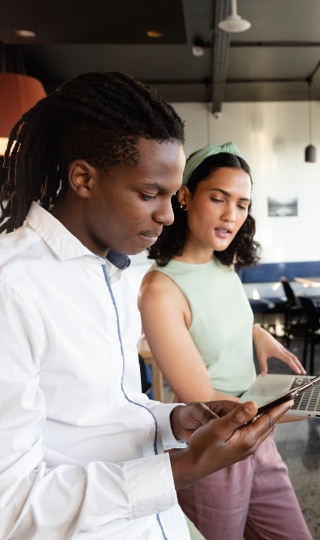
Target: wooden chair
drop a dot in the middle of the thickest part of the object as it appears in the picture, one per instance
(157, 378)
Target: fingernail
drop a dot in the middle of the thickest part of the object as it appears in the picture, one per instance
(250, 408)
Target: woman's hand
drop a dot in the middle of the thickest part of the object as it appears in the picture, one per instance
(218, 434)
(266, 346)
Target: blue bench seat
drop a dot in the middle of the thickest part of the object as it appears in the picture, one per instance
(263, 286)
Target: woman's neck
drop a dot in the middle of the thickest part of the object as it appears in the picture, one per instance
(194, 256)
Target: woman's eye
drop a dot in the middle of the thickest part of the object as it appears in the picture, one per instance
(214, 199)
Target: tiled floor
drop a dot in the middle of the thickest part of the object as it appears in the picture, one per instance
(299, 445)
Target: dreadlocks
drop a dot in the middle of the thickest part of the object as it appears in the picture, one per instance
(98, 117)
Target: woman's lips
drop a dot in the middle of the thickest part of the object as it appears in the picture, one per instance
(222, 232)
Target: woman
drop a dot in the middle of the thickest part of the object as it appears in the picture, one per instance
(199, 326)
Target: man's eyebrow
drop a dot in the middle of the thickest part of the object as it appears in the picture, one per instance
(227, 194)
(155, 185)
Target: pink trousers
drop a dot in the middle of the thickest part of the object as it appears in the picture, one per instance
(253, 499)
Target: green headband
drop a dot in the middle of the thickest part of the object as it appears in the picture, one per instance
(197, 158)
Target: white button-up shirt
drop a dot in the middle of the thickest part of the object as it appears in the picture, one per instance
(81, 448)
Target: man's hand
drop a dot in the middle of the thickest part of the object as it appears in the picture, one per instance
(218, 434)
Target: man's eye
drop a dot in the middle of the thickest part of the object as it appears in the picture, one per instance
(147, 196)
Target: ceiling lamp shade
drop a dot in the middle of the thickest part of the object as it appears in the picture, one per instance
(18, 93)
(234, 23)
(310, 153)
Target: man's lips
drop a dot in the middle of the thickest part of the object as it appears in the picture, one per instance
(151, 235)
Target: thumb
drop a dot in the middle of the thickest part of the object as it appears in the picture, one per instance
(240, 415)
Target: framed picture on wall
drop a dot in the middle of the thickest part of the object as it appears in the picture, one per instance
(282, 206)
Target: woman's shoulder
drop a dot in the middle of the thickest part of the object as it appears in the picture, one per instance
(155, 278)
(158, 287)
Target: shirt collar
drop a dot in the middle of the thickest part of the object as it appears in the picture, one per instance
(120, 260)
(62, 242)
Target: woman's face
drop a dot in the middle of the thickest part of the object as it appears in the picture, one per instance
(217, 209)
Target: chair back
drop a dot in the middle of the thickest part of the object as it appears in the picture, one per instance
(311, 312)
(292, 300)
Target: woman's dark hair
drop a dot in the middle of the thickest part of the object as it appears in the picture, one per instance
(243, 250)
(98, 117)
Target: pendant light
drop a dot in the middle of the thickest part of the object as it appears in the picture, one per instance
(234, 23)
(18, 93)
(310, 153)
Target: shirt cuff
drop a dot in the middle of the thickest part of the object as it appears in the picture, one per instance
(160, 494)
(162, 413)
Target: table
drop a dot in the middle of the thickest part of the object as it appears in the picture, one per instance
(308, 281)
(157, 378)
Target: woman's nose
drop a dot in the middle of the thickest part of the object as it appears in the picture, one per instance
(230, 214)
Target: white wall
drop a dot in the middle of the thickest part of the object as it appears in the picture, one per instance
(272, 137)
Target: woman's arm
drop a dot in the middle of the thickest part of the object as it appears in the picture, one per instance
(166, 318)
(266, 346)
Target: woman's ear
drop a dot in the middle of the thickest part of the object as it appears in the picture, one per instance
(81, 177)
(183, 196)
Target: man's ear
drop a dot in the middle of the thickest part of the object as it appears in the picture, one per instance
(81, 177)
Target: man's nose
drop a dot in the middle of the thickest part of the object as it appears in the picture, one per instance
(164, 214)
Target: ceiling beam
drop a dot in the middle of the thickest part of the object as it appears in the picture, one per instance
(275, 44)
(220, 57)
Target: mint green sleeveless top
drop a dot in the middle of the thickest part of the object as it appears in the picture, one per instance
(222, 321)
